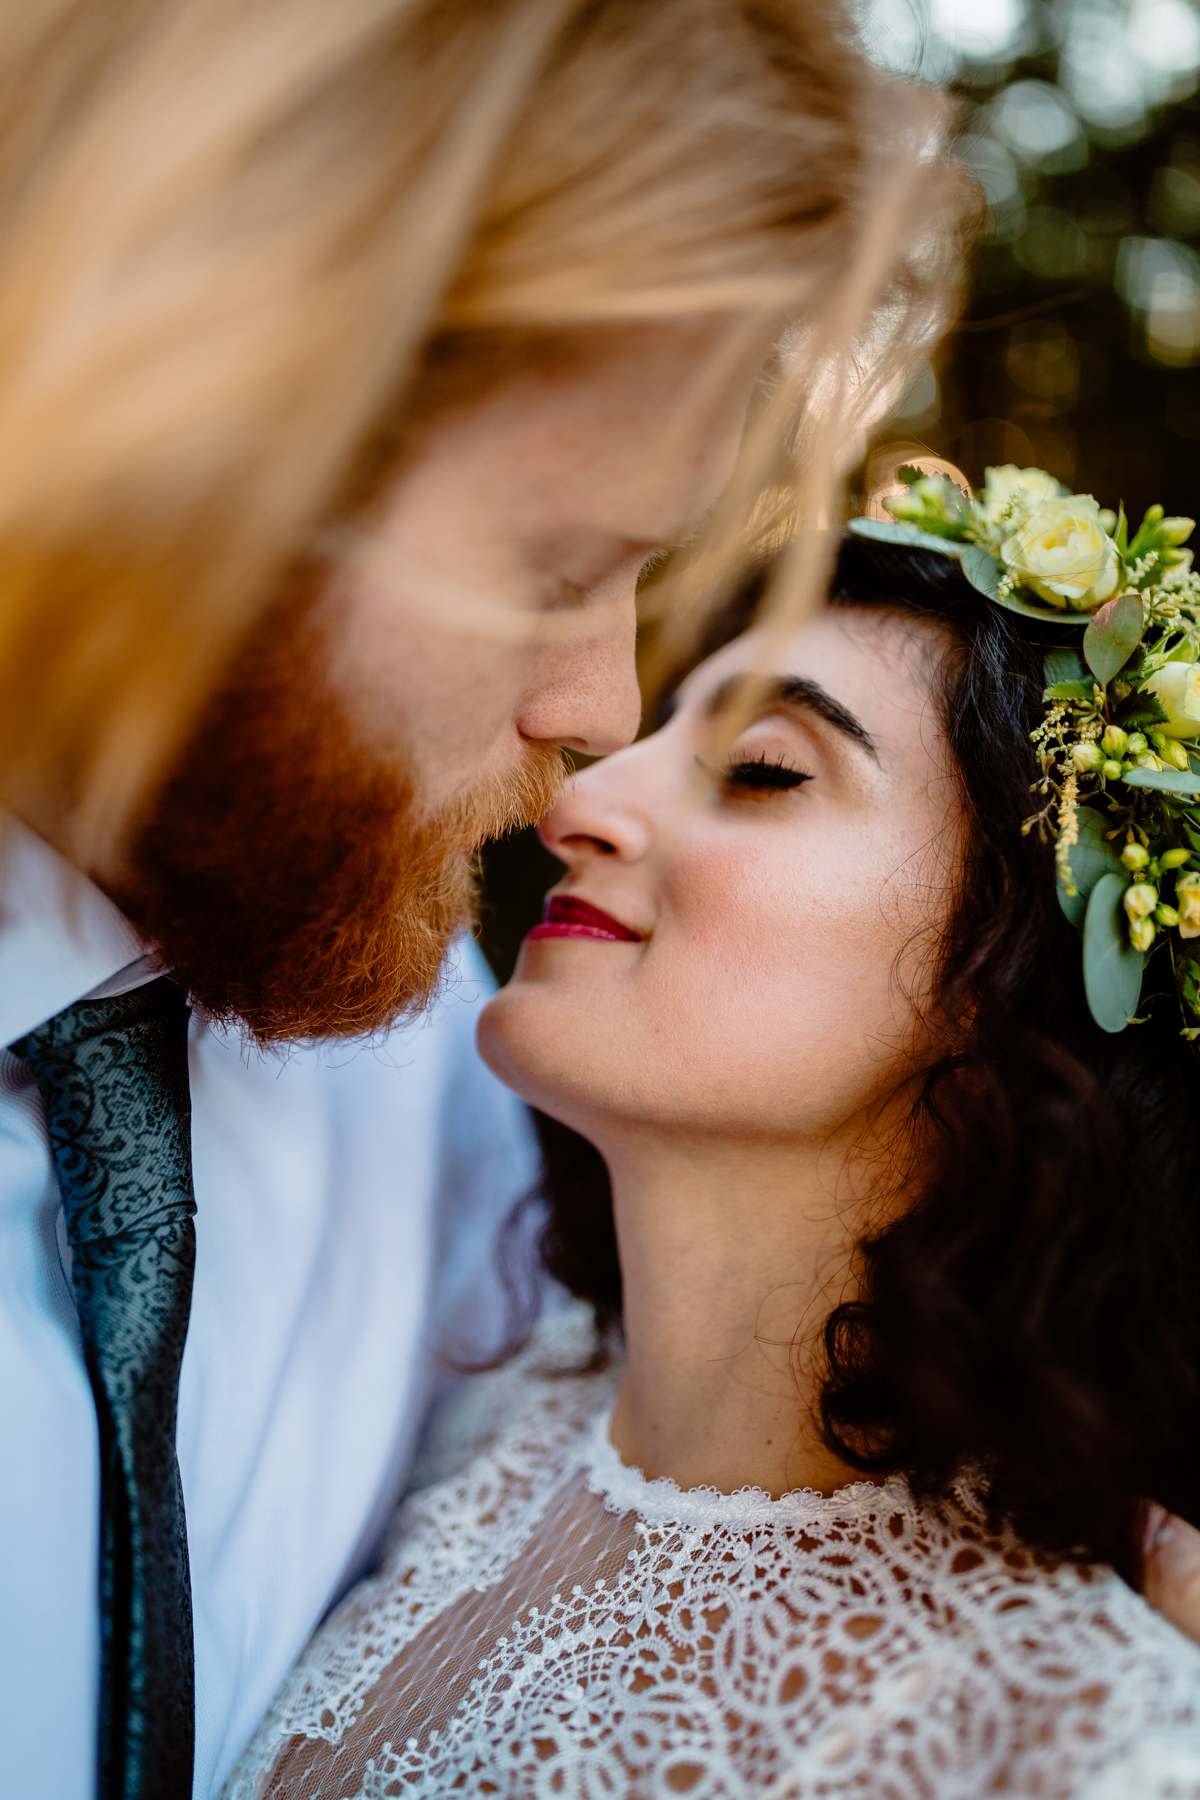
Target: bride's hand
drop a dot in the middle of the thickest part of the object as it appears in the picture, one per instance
(1172, 1570)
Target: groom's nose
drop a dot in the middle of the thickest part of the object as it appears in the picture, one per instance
(585, 691)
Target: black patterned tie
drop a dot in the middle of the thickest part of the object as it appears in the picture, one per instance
(113, 1075)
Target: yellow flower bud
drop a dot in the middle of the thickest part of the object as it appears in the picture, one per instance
(1112, 770)
(1175, 859)
(1141, 933)
(1115, 742)
(1187, 904)
(1138, 742)
(1154, 515)
(1087, 757)
(1176, 531)
(1174, 754)
(1140, 900)
(1165, 915)
(1135, 856)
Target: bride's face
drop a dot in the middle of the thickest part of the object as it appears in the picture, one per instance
(777, 910)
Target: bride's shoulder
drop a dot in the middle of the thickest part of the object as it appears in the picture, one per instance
(969, 1634)
(549, 1389)
(900, 1635)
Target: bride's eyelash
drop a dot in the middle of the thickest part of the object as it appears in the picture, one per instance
(763, 774)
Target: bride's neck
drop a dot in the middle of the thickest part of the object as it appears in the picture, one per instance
(732, 1256)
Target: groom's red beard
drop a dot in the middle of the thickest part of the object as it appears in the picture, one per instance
(286, 874)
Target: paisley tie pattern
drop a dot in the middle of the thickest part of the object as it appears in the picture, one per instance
(113, 1076)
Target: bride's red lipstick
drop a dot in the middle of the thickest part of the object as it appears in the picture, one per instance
(565, 917)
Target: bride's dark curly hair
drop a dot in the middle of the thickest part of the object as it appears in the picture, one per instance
(1036, 1311)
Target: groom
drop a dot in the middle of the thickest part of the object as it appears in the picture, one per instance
(323, 512)
(314, 1226)
(301, 875)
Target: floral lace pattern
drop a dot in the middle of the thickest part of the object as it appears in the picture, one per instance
(546, 1621)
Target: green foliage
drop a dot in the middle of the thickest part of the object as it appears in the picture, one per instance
(1138, 710)
(1187, 979)
(1066, 677)
(1112, 636)
(1063, 665)
(1164, 781)
(909, 537)
(1112, 968)
(1091, 857)
(983, 572)
(1070, 690)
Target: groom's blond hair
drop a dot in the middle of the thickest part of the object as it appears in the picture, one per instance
(243, 239)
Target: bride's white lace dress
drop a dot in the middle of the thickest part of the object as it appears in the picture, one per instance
(549, 1622)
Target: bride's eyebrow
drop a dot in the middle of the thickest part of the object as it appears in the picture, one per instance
(800, 692)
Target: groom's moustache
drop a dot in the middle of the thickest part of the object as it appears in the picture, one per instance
(505, 803)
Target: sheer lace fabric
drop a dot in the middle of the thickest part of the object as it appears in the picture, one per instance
(547, 1621)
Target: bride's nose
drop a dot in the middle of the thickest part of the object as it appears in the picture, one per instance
(601, 813)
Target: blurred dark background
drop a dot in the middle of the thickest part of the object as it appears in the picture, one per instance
(1080, 348)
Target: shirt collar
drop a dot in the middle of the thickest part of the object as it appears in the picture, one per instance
(61, 939)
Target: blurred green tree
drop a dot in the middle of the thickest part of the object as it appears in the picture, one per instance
(1080, 348)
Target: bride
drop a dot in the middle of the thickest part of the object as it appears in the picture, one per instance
(884, 1261)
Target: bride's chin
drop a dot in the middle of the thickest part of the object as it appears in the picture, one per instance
(507, 1042)
(534, 1051)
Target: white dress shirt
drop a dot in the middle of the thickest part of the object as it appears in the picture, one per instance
(348, 1203)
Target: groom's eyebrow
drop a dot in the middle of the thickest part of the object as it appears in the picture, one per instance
(799, 692)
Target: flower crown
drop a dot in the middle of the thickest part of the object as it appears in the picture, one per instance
(1119, 746)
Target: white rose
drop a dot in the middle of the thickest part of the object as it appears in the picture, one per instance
(1007, 484)
(1063, 552)
(1176, 687)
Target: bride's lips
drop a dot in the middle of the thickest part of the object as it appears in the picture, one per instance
(566, 917)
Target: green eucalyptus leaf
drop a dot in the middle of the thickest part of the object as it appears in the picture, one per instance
(1112, 636)
(1112, 968)
(1090, 857)
(1063, 665)
(982, 570)
(910, 537)
(1163, 781)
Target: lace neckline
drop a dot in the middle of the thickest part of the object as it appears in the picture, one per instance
(661, 1501)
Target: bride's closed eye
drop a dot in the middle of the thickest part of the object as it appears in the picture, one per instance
(759, 776)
